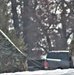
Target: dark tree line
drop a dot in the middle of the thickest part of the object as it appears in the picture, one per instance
(10, 59)
(45, 25)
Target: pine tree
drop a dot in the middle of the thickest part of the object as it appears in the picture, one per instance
(10, 58)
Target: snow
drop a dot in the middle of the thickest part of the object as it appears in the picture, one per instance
(44, 72)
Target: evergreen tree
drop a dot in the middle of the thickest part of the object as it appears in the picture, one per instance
(11, 59)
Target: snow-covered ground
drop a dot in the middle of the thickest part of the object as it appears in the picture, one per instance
(44, 72)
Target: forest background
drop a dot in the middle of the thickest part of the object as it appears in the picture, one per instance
(35, 27)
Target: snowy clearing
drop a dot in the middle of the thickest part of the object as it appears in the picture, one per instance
(44, 72)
